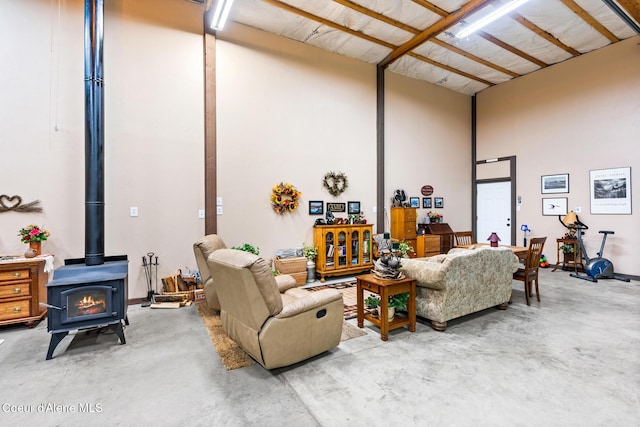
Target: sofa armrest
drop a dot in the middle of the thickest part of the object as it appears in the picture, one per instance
(309, 302)
(427, 274)
(285, 282)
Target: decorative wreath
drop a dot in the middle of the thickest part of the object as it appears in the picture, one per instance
(284, 198)
(335, 183)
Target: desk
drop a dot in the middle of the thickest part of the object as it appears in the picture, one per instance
(386, 288)
(519, 251)
(577, 255)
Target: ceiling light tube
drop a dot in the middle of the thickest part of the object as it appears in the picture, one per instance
(501, 11)
(223, 7)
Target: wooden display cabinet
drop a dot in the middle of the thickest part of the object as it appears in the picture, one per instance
(403, 226)
(447, 240)
(22, 289)
(343, 249)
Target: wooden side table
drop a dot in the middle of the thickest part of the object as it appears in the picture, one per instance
(577, 255)
(386, 288)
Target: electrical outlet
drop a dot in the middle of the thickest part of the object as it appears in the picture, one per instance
(219, 210)
(375, 209)
(201, 213)
(218, 201)
(133, 211)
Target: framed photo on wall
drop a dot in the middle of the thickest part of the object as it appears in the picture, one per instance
(353, 208)
(554, 206)
(426, 202)
(438, 202)
(555, 183)
(316, 207)
(610, 191)
(414, 202)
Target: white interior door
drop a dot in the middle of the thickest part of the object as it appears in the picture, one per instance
(494, 211)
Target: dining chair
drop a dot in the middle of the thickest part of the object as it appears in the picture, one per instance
(463, 238)
(529, 273)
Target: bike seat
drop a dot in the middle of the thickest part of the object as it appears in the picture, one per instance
(607, 232)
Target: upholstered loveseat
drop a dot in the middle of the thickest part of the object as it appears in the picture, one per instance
(461, 282)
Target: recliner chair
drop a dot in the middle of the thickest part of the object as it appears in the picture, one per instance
(202, 249)
(275, 322)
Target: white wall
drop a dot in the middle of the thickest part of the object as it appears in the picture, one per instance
(153, 127)
(573, 117)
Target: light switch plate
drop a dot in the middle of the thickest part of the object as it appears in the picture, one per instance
(133, 211)
(219, 210)
(201, 213)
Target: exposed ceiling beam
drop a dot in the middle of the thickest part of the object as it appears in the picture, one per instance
(632, 7)
(432, 7)
(542, 33)
(589, 20)
(375, 15)
(510, 48)
(448, 68)
(432, 31)
(473, 57)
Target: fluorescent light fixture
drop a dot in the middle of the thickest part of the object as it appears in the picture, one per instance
(223, 7)
(501, 11)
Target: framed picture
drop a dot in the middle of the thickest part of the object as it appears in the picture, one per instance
(438, 202)
(554, 206)
(353, 208)
(426, 202)
(336, 207)
(414, 202)
(555, 183)
(316, 207)
(610, 191)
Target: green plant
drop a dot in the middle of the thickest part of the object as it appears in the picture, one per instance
(248, 248)
(33, 233)
(311, 252)
(405, 247)
(567, 249)
(399, 301)
(372, 301)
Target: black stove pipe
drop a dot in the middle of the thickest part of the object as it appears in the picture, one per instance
(94, 132)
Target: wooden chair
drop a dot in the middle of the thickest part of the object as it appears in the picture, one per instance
(529, 273)
(464, 238)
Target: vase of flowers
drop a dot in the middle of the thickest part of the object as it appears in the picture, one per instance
(34, 235)
(311, 253)
(434, 216)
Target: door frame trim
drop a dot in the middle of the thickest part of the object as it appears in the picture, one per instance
(474, 192)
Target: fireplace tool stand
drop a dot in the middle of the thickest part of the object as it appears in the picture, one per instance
(151, 276)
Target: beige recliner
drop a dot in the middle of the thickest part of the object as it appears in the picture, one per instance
(202, 249)
(275, 322)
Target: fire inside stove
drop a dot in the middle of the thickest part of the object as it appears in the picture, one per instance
(83, 305)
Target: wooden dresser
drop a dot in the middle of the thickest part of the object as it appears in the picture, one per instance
(447, 240)
(403, 226)
(427, 245)
(22, 289)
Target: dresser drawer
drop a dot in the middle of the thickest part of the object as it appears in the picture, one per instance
(15, 290)
(410, 215)
(13, 275)
(14, 309)
(409, 229)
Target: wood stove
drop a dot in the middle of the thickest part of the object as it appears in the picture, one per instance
(90, 292)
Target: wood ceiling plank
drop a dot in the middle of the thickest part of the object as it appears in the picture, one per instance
(432, 7)
(632, 7)
(590, 20)
(542, 33)
(448, 68)
(473, 57)
(511, 49)
(432, 31)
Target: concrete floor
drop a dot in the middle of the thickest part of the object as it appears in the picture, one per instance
(571, 360)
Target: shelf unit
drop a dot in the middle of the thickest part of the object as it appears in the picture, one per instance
(403, 226)
(22, 289)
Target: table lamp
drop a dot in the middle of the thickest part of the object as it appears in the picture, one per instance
(494, 239)
(569, 221)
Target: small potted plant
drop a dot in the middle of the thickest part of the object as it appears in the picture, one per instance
(569, 252)
(434, 216)
(34, 235)
(248, 248)
(311, 253)
(404, 247)
(372, 302)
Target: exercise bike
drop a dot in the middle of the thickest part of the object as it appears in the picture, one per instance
(596, 268)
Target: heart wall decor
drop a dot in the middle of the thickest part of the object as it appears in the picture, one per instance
(14, 203)
(335, 183)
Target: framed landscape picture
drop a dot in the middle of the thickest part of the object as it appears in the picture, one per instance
(554, 206)
(555, 183)
(426, 202)
(353, 208)
(610, 191)
(438, 202)
(414, 202)
(316, 207)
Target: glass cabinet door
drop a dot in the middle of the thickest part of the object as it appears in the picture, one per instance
(329, 245)
(366, 246)
(342, 248)
(355, 246)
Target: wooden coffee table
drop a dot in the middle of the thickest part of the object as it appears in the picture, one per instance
(386, 288)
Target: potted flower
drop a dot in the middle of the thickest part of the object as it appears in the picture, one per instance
(569, 252)
(404, 247)
(434, 216)
(34, 235)
(311, 253)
